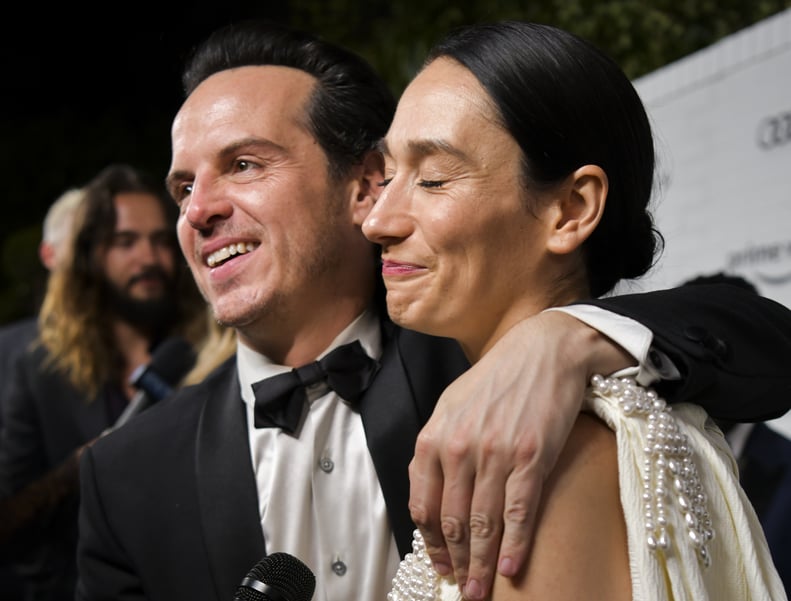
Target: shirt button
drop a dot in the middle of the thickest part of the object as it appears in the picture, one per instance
(339, 567)
(326, 464)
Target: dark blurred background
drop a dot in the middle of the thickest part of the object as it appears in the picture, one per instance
(81, 88)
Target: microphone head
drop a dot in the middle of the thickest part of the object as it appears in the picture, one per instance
(172, 359)
(277, 577)
(170, 362)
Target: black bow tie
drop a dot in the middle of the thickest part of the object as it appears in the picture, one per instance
(279, 400)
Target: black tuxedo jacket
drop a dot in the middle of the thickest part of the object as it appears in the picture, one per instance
(170, 507)
(169, 504)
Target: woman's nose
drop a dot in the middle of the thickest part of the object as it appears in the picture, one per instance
(388, 218)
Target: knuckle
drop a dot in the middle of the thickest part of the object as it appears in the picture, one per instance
(420, 515)
(517, 513)
(527, 452)
(482, 526)
(490, 448)
(457, 450)
(426, 442)
(453, 530)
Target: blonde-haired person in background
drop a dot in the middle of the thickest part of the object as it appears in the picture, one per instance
(15, 337)
(218, 346)
(58, 227)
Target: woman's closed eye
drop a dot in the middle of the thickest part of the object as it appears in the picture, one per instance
(431, 183)
(423, 183)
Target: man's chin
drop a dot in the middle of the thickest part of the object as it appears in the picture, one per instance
(232, 317)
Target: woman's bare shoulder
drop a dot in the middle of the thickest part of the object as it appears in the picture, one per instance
(580, 548)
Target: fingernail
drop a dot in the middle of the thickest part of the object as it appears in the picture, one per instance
(507, 567)
(472, 590)
(442, 569)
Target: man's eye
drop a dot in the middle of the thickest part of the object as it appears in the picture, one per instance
(384, 182)
(123, 241)
(179, 193)
(243, 165)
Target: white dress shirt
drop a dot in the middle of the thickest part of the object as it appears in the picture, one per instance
(318, 492)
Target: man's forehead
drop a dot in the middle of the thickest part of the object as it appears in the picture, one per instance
(237, 102)
(258, 82)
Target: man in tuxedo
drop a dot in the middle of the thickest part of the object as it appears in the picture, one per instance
(274, 167)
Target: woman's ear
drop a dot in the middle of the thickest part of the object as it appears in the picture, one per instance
(368, 185)
(578, 209)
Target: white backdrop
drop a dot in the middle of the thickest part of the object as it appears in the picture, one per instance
(722, 121)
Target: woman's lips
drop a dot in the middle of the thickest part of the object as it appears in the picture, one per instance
(398, 268)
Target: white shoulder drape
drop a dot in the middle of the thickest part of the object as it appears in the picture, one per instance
(671, 564)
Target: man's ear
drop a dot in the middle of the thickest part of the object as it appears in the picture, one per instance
(367, 190)
(46, 253)
(578, 209)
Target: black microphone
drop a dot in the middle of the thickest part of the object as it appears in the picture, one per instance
(277, 577)
(170, 362)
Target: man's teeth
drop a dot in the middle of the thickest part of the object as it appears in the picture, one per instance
(218, 256)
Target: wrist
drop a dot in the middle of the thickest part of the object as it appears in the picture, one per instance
(596, 352)
(605, 356)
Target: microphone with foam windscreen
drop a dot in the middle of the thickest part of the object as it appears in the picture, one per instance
(277, 577)
(170, 362)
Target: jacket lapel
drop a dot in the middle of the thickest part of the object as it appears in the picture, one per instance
(391, 425)
(414, 370)
(227, 492)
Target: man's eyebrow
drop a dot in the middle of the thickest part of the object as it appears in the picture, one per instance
(426, 147)
(250, 142)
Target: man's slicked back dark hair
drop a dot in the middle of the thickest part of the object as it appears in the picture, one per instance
(351, 107)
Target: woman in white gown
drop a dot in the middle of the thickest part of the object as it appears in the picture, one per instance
(519, 169)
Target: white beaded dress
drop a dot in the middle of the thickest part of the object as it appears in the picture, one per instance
(692, 533)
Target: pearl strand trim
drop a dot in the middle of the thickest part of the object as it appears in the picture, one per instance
(670, 477)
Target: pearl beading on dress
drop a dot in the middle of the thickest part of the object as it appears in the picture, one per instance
(669, 472)
(416, 579)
